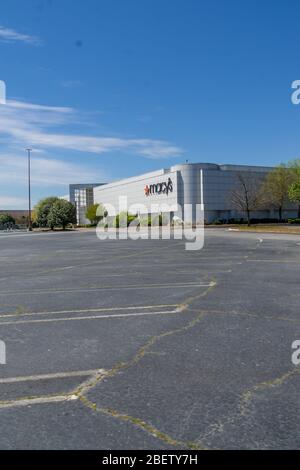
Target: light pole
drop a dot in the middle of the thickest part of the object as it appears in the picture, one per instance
(29, 190)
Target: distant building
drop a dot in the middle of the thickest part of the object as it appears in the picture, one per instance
(20, 216)
(82, 196)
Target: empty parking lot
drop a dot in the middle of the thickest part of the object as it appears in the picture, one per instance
(143, 345)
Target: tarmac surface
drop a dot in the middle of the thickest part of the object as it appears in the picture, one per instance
(144, 345)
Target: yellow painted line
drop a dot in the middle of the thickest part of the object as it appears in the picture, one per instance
(88, 310)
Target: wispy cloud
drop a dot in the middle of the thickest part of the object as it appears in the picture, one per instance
(44, 171)
(71, 83)
(7, 202)
(10, 35)
(37, 125)
(38, 107)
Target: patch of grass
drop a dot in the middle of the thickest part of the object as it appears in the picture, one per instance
(270, 229)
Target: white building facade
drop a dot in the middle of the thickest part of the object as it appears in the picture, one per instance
(82, 196)
(180, 189)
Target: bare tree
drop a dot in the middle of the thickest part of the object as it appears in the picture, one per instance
(246, 196)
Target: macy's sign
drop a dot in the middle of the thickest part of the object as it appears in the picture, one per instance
(159, 188)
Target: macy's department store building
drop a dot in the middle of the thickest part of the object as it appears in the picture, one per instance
(179, 189)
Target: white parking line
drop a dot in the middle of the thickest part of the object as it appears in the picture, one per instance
(58, 375)
(107, 288)
(88, 310)
(37, 401)
(95, 317)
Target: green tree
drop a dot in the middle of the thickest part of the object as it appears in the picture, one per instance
(294, 189)
(294, 194)
(95, 213)
(61, 214)
(7, 219)
(42, 210)
(275, 189)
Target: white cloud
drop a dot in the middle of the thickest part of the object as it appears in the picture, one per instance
(10, 35)
(44, 171)
(36, 125)
(12, 202)
(38, 107)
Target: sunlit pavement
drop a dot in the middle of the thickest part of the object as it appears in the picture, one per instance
(123, 344)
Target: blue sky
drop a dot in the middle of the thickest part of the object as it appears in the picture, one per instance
(104, 89)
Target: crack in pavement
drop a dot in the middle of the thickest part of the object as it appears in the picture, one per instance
(81, 390)
(148, 428)
(84, 388)
(245, 400)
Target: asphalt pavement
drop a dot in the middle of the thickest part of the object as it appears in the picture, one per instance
(123, 344)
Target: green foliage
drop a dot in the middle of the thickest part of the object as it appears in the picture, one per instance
(95, 213)
(154, 220)
(6, 219)
(124, 219)
(218, 222)
(294, 192)
(42, 210)
(54, 212)
(294, 165)
(145, 221)
(275, 190)
(61, 214)
(294, 221)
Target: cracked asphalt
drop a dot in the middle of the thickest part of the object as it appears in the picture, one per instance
(143, 345)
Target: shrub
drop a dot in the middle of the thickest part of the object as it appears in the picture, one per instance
(95, 213)
(294, 221)
(218, 222)
(237, 221)
(124, 219)
(265, 221)
(6, 219)
(42, 210)
(62, 213)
